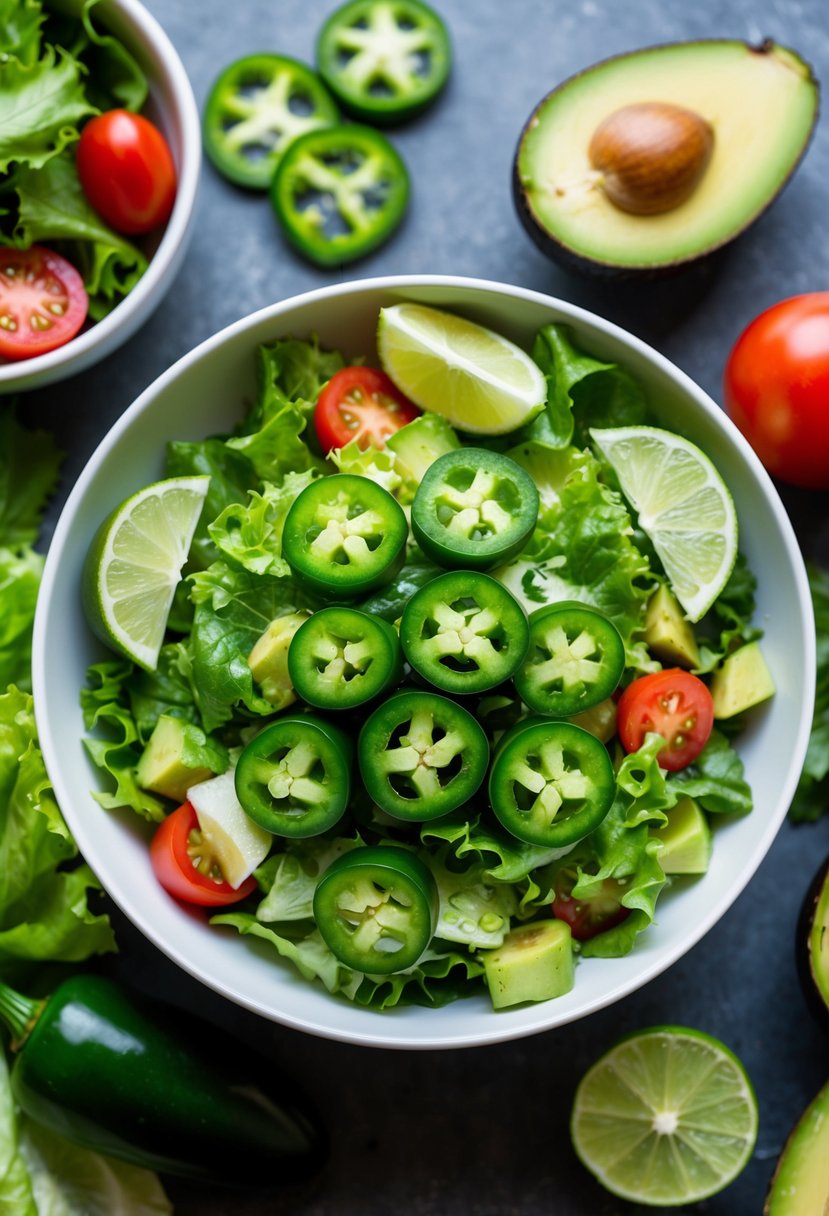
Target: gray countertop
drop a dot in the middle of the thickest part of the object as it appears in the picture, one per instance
(484, 1132)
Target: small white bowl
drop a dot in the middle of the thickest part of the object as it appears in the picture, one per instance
(206, 392)
(172, 107)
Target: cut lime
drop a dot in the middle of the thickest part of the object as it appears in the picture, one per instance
(476, 379)
(135, 563)
(683, 506)
(668, 1116)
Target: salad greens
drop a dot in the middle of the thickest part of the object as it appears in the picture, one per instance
(57, 69)
(811, 798)
(585, 546)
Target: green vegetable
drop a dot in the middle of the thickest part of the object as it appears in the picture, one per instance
(811, 798)
(575, 660)
(340, 658)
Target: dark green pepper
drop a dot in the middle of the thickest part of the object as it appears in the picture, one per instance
(133, 1079)
(340, 658)
(575, 659)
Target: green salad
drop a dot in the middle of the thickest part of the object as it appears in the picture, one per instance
(442, 702)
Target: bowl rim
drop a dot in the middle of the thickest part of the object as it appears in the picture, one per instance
(105, 335)
(535, 1020)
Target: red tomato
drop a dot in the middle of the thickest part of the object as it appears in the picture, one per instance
(777, 389)
(127, 171)
(173, 852)
(588, 917)
(360, 403)
(674, 704)
(43, 302)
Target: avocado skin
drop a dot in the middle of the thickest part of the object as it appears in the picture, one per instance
(803, 953)
(557, 251)
(782, 1198)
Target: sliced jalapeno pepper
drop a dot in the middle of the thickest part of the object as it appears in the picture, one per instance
(255, 109)
(344, 535)
(384, 60)
(294, 777)
(464, 632)
(575, 659)
(421, 755)
(339, 193)
(474, 508)
(551, 783)
(376, 909)
(340, 658)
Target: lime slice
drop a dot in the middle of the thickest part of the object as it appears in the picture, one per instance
(668, 1116)
(473, 377)
(135, 563)
(683, 505)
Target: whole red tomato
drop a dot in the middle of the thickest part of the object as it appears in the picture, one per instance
(127, 171)
(777, 389)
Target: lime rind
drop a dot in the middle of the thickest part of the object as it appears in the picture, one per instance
(135, 562)
(683, 506)
(475, 378)
(667, 1117)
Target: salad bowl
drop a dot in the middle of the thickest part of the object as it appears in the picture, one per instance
(207, 392)
(171, 106)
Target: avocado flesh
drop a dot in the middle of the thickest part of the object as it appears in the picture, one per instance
(761, 103)
(535, 963)
(800, 1186)
(813, 943)
(742, 682)
(685, 839)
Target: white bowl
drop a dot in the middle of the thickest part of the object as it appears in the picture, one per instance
(204, 393)
(172, 107)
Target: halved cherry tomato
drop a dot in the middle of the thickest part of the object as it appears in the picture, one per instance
(43, 302)
(360, 403)
(674, 704)
(184, 865)
(127, 171)
(588, 917)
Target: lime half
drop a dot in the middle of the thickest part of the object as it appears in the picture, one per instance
(668, 1116)
(135, 563)
(683, 506)
(476, 379)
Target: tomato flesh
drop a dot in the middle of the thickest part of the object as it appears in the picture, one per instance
(777, 387)
(360, 403)
(43, 302)
(127, 171)
(183, 864)
(672, 703)
(588, 917)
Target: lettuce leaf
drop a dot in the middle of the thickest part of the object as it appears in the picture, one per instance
(16, 1196)
(290, 879)
(309, 954)
(41, 104)
(811, 798)
(20, 573)
(715, 779)
(29, 467)
(378, 464)
(279, 448)
(20, 22)
(117, 746)
(251, 534)
(729, 622)
(290, 370)
(474, 910)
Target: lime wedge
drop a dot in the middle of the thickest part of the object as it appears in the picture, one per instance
(668, 1116)
(474, 378)
(683, 506)
(135, 563)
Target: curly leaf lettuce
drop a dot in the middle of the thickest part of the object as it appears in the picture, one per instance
(41, 104)
(251, 534)
(29, 467)
(289, 371)
(116, 746)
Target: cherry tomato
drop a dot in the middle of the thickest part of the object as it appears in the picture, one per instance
(674, 704)
(588, 917)
(777, 389)
(360, 403)
(184, 865)
(43, 302)
(127, 171)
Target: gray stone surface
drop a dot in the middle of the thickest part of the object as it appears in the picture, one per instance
(484, 1132)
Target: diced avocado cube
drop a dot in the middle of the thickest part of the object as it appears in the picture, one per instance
(178, 754)
(685, 839)
(742, 681)
(268, 660)
(668, 634)
(535, 963)
(599, 720)
(418, 444)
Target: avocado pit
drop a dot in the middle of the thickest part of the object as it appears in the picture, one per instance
(651, 156)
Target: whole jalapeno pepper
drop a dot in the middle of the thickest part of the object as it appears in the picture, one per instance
(376, 909)
(340, 658)
(134, 1079)
(575, 659)
(464, 632)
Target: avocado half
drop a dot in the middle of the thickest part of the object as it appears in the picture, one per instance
(761, 105)
(812, 946)
(800, 1185)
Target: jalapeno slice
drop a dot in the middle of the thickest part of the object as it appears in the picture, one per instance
(575, 659)
(376, 909)
(340, 658)
(474, 508)
(257, 107)
(421, 755)
(294, 777)
(551, 783)
(464, 632)
(344, 535)
(338, 193)
(384, 60)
